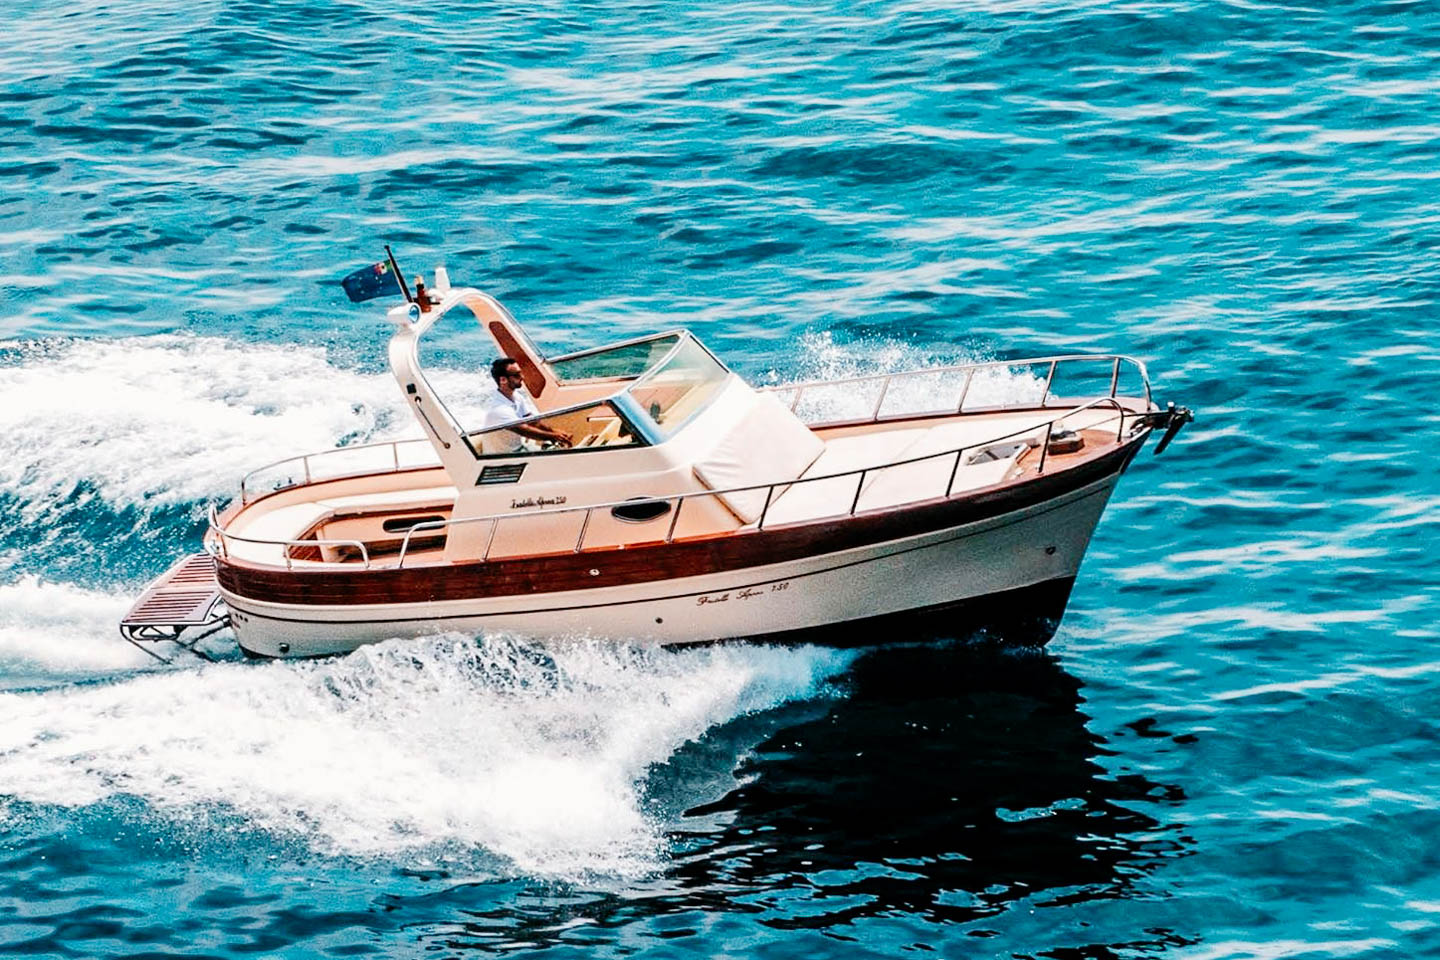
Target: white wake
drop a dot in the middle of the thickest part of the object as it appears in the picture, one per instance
(174, 418)
(151, 421)
(59, 629)
(435, 747)
(930, 388)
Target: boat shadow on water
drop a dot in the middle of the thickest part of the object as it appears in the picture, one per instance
(947, 783)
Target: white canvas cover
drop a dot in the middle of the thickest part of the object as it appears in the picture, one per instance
(769, 444)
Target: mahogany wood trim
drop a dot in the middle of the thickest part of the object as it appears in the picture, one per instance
(544, 599)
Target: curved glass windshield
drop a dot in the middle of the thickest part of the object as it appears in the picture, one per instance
(651, 386)
(680, 387)
(623, 361)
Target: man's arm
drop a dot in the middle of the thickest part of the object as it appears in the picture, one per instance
(538, 431)
(503, 416)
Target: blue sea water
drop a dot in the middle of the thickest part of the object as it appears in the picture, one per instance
(1230, 749)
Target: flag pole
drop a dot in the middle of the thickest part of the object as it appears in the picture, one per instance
(398, 275)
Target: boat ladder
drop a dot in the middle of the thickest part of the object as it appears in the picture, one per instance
(182, 606)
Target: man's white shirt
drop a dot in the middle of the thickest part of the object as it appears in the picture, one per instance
(500, 410)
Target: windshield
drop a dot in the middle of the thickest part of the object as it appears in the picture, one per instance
(680, 387)
(624, 361)
(589, 427)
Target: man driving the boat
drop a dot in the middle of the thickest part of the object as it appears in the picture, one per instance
(510, 403)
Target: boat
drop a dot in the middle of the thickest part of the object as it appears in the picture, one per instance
(689, 506)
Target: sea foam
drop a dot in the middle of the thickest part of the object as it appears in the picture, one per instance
(59, 629)
(535, 757)
(173, 418)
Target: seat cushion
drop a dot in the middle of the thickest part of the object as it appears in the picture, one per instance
(282, 523)
(767, 445)
(929, 478)
(816, 497)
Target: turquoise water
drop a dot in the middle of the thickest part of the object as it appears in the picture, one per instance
(1230, 749)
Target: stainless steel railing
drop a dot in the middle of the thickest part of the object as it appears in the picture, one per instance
(969, 370)
(860, 474)
(306, 463)
(223, 538)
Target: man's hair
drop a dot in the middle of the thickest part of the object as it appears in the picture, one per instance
(498, 368)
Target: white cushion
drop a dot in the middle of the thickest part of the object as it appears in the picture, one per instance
(282, 523)
(929, 478)
(814, 499)
(769, 444)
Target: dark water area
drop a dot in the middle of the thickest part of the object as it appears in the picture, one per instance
(1230, 748)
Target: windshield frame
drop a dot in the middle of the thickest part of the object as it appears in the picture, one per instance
(639, 429)
(646, 431)
(678, 333)
(663, 432)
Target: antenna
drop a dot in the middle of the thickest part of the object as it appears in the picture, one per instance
(398, 275)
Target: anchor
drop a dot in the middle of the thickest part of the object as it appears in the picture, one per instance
(1174, 418)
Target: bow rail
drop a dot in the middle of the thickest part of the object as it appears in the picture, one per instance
(1051, 365)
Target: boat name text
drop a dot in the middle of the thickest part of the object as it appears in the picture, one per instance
(744, 593)
(536, 502)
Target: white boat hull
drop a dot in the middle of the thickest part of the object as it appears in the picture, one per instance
(1029, 547)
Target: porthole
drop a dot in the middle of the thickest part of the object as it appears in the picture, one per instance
(401, 524)
(640, 510)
